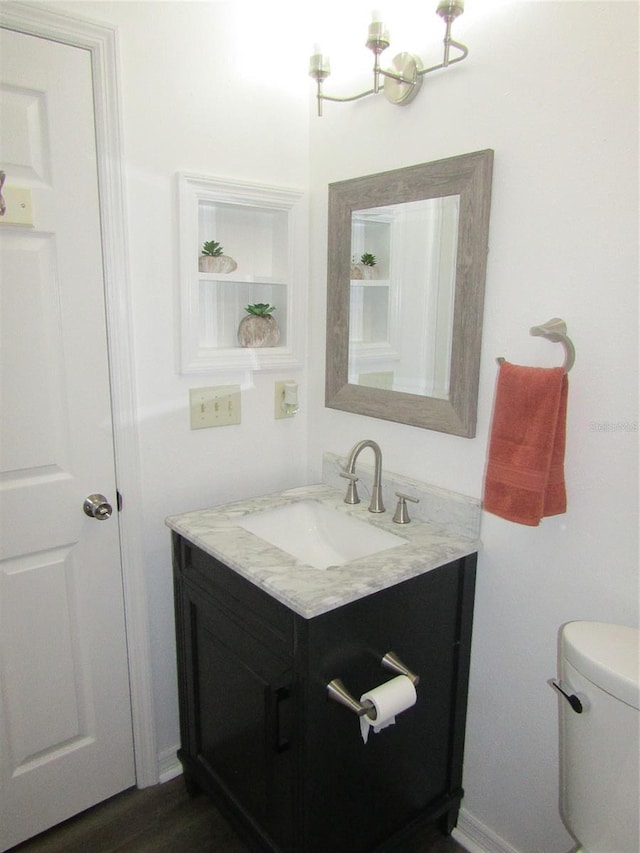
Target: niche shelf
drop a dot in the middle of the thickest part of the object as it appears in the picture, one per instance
(264, 229)
(373, 303)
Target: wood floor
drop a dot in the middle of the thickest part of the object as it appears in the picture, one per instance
(165, 819)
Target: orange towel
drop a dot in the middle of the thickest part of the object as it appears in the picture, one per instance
(524, 480)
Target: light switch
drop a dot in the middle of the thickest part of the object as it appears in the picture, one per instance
(216, 406)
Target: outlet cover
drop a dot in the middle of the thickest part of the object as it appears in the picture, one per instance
(278, 401)
(216, 406)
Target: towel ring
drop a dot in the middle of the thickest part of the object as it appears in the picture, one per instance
(555, 330)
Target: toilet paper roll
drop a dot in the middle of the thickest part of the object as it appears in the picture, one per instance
(388, 699)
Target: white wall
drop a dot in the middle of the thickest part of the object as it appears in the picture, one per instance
(552, 88)
(195, 98)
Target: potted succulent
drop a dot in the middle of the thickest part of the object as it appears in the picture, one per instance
(366, 268)
(213, 259)
(258, 328)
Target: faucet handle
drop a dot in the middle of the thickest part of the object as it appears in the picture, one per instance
(401, 515)
(352, 491)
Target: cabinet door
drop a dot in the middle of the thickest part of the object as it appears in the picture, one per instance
(406, 771)
(239, 699)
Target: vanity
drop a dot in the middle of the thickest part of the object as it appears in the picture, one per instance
(261, 634)
(289, 607)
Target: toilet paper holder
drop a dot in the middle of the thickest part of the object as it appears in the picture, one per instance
(339, 693)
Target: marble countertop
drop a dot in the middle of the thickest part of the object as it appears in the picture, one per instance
(306, 590)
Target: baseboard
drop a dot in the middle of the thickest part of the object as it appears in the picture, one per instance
(168, 765)
(475, 837)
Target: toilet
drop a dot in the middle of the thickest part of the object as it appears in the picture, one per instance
(599, 698)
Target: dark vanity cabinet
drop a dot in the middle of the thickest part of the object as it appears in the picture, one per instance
(286, 764)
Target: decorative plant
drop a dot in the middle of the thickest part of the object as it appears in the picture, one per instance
(368, 260)
(258, 328)
(213, 259)
(212, 248)
(260, 309)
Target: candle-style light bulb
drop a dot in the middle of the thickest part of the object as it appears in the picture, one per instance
(319, 66)
(450, 9)
(378, 35)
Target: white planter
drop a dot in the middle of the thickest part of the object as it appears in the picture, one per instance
(216, 264)
(362, 272)
(258, 332)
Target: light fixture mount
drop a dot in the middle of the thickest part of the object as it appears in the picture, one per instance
(403, 79)
(403, 88)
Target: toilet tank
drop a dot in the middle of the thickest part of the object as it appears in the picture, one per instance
(600, 747)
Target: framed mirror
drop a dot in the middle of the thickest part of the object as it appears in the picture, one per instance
(406, 275)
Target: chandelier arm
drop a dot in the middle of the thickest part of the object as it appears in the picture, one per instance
(399, 77)
(437, 67)
(464, 51)
(347, 97)
(463, 55)
(402, 84)
(376, 73)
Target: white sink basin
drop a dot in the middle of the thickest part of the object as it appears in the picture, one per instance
(318, 535)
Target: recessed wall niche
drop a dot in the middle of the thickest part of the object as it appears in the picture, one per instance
(262, 228)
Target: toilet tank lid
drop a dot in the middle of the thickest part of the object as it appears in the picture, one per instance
(607, 655)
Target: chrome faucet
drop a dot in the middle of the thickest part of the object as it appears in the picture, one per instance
(376, 504)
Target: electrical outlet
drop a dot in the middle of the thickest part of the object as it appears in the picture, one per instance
(213, 407)
(278, 401)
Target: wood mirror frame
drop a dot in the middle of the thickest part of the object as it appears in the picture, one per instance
(468, 176)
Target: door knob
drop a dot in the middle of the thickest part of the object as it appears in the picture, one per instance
(97, 506)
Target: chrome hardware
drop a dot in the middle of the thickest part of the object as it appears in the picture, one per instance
(352, 496)
(554, 330)
(376, 504)
(406, 72)
(571, 698)
(401, 515)
(392, 662)
(3, 204)
(339, 693)
(98, 507)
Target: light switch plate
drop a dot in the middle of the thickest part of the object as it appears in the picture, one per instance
(215, 406)
(19, 209)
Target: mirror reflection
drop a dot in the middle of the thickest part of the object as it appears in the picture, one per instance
(402, 288)
(407, 252)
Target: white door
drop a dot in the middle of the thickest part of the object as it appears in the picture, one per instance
(65, 711)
